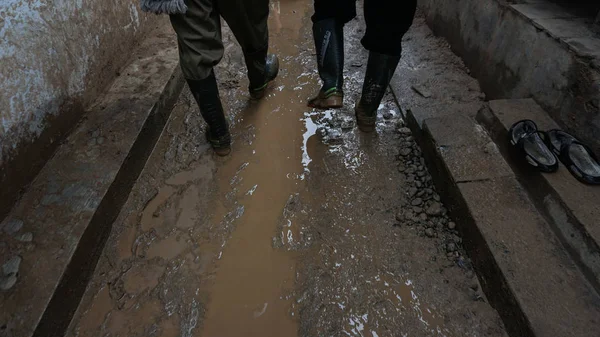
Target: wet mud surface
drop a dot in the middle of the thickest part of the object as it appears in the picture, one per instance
(309, 228)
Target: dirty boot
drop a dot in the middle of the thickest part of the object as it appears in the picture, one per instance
(329, 42)
(206, 94)
(262, 69)
(380, 69)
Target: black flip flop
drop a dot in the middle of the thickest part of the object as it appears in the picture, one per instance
(530, 142)
(576, 156)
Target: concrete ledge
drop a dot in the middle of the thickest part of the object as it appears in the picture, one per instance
(58, 228)
(569, 206)
(517, 257)
(536, 50)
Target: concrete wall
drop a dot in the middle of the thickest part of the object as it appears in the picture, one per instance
(55, 58)
(514, 56)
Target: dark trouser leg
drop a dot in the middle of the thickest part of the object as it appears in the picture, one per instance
(248, 22)
(201, 48)
(328, 32)
(387, 22)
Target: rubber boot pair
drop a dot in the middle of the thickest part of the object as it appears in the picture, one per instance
(329, 43)
(206, 94)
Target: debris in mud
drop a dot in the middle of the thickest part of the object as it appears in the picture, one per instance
(11, 266)
(424, 209)
(13, 226)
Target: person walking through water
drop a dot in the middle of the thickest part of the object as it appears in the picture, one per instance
(198, 27)
(387, 21)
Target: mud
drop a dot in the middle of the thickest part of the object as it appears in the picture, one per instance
(294, 234)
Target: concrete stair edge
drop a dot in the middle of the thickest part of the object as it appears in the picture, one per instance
(70, 206)
(521, 315)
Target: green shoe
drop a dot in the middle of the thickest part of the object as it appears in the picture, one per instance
(327, 99)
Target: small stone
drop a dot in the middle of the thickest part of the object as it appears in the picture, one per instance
(100, 140)
(8, 282)
(475, 296)
(451, 247)
(436, 197)
(25, 237)
(417, 202)
(428, 190)
(418, 184)
(456, 239)
(410, 178)
(13, 226)
(95, 133)
(423, 216)
(412, 191)
(470, 274)
(450, 254)
(490, 148)
(430, 232)
(409, 139)
(387, 115)
(11, 266)
(417, 209)
(421, 173)
(404, 131)
(405, 152)
(347, 124)
(400, 216)
(474, 286)
(451, 225)
(410, 170)
(435, 209)
(421, 193)
(401, 168)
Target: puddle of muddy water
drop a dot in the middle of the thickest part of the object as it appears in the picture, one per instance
(249, 295)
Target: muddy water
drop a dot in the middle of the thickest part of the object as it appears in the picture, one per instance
(253, 279)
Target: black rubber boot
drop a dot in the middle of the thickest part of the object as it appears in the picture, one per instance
(206, 94)
(262, 69)
(329, 43)
(380, 69)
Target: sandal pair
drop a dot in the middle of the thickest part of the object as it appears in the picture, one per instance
(543, 150)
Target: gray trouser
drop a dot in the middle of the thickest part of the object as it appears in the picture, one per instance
(199, 32)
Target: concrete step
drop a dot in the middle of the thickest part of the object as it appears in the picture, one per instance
(53, 236)
(524, 269)
(570, 207)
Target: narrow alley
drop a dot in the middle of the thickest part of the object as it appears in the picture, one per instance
(298, 232)
(119, 219)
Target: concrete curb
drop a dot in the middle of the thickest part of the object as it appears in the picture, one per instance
(517, 258)
(70, 207)
(569, 206)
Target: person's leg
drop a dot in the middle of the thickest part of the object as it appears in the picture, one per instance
(387, 22)
(248, 22)
(201, 48)
(328, 32)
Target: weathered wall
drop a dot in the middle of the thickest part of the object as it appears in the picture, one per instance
(512, 56)
(55, 57)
